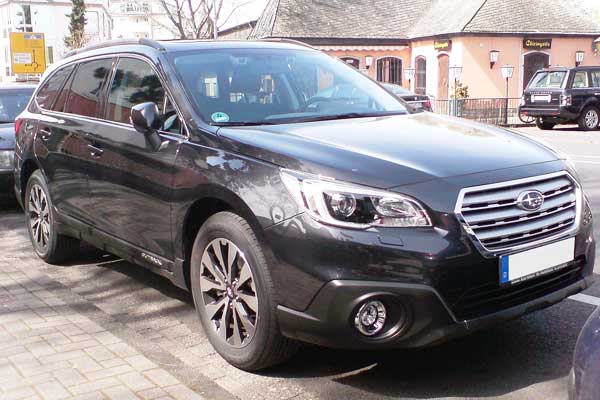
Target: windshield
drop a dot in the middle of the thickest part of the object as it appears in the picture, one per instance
(12, 103)
(548, 79)
(272, 86)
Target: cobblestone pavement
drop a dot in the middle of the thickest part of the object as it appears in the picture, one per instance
(104, 328)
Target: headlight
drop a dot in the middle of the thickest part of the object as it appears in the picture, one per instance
(6, 159)
(351, 206)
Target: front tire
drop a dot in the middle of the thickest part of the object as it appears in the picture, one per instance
(544, 124)
(589, 119)
(234, 295)
(41, 223)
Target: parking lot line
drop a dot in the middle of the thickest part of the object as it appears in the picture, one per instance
(586, 298)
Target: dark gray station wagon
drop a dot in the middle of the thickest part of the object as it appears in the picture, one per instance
(343, 220)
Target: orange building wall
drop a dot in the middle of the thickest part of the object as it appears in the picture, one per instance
(404, 55)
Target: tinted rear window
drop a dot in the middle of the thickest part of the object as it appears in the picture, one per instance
(12, 103)
(86, 87)
(548, 79)
(49, 91)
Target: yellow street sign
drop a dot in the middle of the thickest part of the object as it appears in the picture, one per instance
(27, 52)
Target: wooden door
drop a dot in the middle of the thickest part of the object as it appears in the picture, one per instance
(443, 76)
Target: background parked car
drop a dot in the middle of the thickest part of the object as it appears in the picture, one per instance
(562, 96)
(13, 100)
(585, 376)
(417, 101)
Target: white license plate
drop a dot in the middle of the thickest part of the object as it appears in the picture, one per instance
(532, 263)
(541, 98)
(417, 105)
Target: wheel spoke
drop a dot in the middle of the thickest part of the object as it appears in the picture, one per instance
(231, 257)
(250, 301)
(213, 308)
(207, 284)
(225, 320)
(244, 275)
(219, 254)
(237, 333)
(215, 271)
(245, 319)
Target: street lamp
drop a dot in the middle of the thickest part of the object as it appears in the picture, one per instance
(456, 73)
(579, 55)
(507, 73)
(409, 74)
(494, 54)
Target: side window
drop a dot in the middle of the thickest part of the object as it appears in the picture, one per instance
(581, 80)
(49, 91)
(135, 82)
(86, 86)
(595, 79)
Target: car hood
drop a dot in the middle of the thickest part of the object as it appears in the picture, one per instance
(7, 136)
(387, 151)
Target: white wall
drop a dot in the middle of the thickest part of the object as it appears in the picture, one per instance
(150, 22)
(50, 18)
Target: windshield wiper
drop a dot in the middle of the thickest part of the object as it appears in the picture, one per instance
(244, 123)
(348, 116)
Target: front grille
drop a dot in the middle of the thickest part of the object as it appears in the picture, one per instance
(491, 214)
(492, 298)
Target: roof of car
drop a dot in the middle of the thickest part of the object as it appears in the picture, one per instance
(581, 68)
(113, 46)
(17, 86)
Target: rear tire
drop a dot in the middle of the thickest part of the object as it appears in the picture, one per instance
(234, 294)
(589, 119)
(544, 125)
(41, 223)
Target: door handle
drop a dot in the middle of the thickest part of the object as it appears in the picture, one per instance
(45, 134)
(95, 151)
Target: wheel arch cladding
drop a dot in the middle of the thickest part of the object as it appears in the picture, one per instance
(27, 169)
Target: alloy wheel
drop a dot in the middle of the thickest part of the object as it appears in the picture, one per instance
(39, 216)
(229, 292)
(591, 119)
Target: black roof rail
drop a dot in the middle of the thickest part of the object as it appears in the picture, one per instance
(290, 41)
(117, 42)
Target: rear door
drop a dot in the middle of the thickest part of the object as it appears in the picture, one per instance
(60, 140)
(130, 183)
(581, 89)
(595, 77)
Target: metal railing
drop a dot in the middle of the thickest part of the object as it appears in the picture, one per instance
(496, 111)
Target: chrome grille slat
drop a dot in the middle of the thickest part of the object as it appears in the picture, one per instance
(475, 218)
(527, 226)
(511, 193)
(491, 215)
(527, 218)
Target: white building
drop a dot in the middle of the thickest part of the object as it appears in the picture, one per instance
(50, 18)
(140, 19)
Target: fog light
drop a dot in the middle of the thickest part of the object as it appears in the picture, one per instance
(370, 318)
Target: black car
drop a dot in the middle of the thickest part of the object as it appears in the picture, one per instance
(563, 96)
(416, 101)
(584, 383)
(13, 100)
(290, 216)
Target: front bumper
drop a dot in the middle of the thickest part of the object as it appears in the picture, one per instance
(434, 281)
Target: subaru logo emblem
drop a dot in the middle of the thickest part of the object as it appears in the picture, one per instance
(531, 200)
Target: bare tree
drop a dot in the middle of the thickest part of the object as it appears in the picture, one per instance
(197, 19)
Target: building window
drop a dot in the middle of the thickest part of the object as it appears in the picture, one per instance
(355, 62)
(421, 76)
(389, 69)
(23, 23)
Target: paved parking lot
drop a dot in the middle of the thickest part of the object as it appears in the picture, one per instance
(104, 328)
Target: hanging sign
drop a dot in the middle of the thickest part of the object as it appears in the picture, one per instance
(537, 44)
(442, 45)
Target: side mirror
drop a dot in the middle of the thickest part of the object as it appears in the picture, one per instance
(145, 119)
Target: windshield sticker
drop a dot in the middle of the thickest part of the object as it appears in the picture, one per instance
(220, 117)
